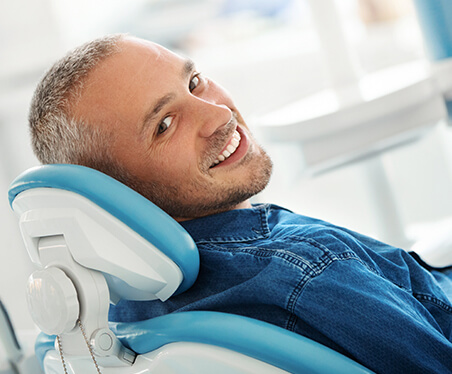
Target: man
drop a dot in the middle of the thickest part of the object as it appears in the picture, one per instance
(147, 117)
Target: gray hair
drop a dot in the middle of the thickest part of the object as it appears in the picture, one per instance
(59, 138)
(56, 136)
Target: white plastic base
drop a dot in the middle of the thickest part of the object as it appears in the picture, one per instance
(175, 358)
(29, 365)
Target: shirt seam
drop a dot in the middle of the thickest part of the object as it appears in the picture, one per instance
(428, 298)
(315, 267)
(263, 233)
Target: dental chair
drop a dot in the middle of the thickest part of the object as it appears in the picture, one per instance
(95, 241)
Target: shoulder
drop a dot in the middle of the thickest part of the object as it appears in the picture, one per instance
(308, 248)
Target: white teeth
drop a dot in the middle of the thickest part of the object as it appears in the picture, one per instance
(230, 149)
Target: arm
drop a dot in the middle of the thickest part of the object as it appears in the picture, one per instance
(379, 324)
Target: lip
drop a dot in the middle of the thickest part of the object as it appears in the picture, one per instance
(241, 150)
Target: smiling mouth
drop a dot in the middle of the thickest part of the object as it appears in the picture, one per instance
(229, 149)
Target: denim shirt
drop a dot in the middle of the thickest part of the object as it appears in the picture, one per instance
(372, 302)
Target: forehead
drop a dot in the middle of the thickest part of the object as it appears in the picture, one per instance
(126, 82)
(138, 51)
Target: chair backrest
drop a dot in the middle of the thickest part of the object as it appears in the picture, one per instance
(95, 241)
(106, 222)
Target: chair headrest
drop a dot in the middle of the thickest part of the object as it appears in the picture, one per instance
(53, 188)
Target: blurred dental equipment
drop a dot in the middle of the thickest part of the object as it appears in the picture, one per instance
(17, 360)
(362, 116)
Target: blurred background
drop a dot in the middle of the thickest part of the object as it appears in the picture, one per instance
(299, 70)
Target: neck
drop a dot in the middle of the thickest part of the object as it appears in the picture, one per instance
(243, 205)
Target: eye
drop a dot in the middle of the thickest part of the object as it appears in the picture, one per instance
(165, 124)
(194, 82)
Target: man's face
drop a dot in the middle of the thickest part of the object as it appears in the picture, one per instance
(177, 133)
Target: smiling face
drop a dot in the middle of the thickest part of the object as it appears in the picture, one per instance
(177, 133)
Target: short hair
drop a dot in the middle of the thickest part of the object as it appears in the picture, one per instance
(58, 137)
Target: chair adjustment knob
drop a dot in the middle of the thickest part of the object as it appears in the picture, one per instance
(52, 301)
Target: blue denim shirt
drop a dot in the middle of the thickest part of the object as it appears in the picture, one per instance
(368, 300)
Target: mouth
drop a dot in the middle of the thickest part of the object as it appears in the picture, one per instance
(229, 149)
(234, 150)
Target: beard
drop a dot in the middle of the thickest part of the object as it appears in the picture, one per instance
(205, 193)
(199, 198)
(213, 198)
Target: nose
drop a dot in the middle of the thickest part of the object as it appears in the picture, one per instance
(211, 116)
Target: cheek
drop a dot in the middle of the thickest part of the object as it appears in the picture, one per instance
(129, 153)
(174, 162)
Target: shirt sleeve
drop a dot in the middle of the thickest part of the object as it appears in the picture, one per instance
(384, 327)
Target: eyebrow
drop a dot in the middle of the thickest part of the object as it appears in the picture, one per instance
(156, 108)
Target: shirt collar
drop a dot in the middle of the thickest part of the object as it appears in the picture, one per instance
(232, 226)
